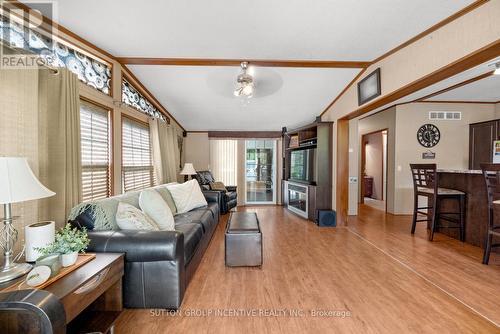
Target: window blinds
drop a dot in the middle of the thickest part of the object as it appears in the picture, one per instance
(223, 160)
(137, 164)
(95, 142)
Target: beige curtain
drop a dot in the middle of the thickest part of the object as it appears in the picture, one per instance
(59, 143)
(40, 120)
(18, 124)
(224, 160)
(166, 154)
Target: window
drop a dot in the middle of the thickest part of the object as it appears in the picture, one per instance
(137, 163)
(96, 157)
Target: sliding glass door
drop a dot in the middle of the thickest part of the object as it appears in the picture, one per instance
(260, 171)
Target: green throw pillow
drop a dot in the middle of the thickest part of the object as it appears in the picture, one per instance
(167, 197)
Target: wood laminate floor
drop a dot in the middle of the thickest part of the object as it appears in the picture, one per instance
(371, 277)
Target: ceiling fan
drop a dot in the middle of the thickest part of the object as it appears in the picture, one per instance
(245, 85)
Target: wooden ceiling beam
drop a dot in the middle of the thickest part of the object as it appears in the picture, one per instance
(237, 62)
(460, 84)
(243, 134)
(487, 53)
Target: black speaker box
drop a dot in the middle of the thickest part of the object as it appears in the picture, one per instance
(326, 218)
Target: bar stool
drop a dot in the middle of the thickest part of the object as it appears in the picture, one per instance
(425, 183)
(491, 173)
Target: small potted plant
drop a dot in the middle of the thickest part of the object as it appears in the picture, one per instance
(68, 242)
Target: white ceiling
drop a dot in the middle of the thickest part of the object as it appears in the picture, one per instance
(484, 90)
(259, 29)
(280, 29)
(201, 98)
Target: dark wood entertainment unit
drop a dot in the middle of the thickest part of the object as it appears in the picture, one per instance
(318, 193)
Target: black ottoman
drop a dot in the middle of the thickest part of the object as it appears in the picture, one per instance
(243, 240)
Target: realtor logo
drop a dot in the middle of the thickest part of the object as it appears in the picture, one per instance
(26, 42)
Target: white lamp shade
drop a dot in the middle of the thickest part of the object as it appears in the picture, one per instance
(188, 169)
(18, 183)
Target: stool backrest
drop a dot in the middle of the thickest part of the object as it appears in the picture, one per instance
(424, 176)
(491, 173)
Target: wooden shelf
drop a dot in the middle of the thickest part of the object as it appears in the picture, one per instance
(303, 147)
(93, 321)
(320, 133)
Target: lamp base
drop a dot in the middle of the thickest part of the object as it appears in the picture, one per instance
(14, 271)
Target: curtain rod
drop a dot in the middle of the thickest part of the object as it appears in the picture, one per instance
(54, 70)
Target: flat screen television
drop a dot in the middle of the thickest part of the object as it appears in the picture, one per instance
(303, 165)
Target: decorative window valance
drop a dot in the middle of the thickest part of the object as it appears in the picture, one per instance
(57, 53)
(132, 97)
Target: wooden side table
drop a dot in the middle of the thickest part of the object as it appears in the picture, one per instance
(92, 294)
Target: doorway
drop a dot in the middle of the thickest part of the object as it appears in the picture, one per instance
(260, 171)
(374, 170)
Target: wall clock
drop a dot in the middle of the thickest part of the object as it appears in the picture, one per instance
(428, 135)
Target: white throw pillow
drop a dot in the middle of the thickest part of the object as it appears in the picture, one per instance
(153, 205)
(187, 196)
(128, 217)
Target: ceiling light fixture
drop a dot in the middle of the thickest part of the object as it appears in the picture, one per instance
(244, 83)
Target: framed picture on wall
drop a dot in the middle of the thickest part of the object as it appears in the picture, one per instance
(369, 88)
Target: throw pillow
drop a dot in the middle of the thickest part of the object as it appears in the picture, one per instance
(128, 217)
(153, 205)
(85, 219)
(187, 196)
(167, 197)
(218, 186)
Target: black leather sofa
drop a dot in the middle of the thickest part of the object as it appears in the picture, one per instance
(31, 311)
(160, 264)
(229, 198)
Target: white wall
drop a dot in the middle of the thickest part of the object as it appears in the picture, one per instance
(374, 162)
(452, 151)
(197, 150)
(403, 148)
(448, 44)
(376, 122)
(352, 208)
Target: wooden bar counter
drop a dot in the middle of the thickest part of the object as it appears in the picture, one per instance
(476, 222)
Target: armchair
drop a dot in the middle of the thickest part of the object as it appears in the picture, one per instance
(229, 198)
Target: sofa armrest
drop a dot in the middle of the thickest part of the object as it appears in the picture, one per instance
(231, 188)
(212, 196)
(139, 246)
(43, 310)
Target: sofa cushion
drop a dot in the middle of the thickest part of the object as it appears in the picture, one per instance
(204, 177)
(187, 196)
(193, 233)
(85, 219)
(167, 197)
(129, 217)
(214, 208)
(201, 216)
(218, 186)
(157, 209)
(104, 210)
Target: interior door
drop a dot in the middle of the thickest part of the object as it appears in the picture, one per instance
(481, 137)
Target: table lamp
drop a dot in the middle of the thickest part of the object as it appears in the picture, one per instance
(17, 184)
(188, 170)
